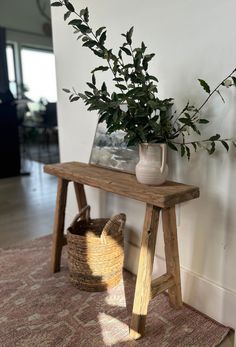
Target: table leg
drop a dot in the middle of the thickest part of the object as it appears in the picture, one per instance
(59, 220)
(172, 255)
(144, 277)
(80, 195)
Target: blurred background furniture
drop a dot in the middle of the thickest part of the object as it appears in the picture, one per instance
(9, 138)
(9, 141)
(39, 133)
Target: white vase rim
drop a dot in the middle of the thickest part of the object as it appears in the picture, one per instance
(152, 143)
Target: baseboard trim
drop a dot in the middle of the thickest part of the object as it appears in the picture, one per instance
(204, 295)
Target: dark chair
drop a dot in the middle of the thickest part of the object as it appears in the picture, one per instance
(50, 116)
(44, 129)
(49, 123)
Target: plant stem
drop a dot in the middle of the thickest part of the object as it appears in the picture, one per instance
(199, 109)
(108, 62)
(95, 37)
(206, 140)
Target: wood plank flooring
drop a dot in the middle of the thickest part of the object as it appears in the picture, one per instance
(27, 207)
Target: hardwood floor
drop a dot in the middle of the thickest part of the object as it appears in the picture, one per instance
(26, 211)
(26, 206)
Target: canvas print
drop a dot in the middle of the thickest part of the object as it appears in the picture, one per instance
(110, 150)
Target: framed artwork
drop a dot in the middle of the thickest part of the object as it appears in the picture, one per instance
(111, 151)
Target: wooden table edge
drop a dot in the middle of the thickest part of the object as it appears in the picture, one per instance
(164, 202)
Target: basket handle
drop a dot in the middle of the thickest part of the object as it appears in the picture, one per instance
(78, 216)
(121, 218)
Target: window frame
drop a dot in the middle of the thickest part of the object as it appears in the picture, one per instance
(13, 47)
(35, 48)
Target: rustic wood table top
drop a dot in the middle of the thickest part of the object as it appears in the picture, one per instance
(125, 184)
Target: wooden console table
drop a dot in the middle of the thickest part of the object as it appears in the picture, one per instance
(158, 199)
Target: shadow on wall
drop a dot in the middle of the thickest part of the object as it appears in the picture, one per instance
(208, 231)
(229, 273)
(204, 226)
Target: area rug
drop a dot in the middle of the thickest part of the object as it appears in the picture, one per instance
(41, 309)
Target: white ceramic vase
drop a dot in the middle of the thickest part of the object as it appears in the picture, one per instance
(152, 168)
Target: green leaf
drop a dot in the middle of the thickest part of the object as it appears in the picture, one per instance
(82, 12)
(66, 90)
(115, 116)
(85, 38)
(90, 43)
(92, 86)
(172, 146)
(69, 6)
(84, 29)
(225, 144)
(129, 35)
(75, 22)
(118, 79)
(121, 86)
(205, 86)
(56, 4)
(215, 137)
(67, 15)
(203, 121)
(75, 98)
(86, 15)
(145, 64)
(194, 146)
(99, 53)
(143, 47)
(152, 104)
(126, 50)
(103, 38)
(104, 87)
(93, 79)
(212, 149)
(82, 96)
(99, 31)
(188, 152)
(149, 57)
(186, 121)
(152, 78)
(234, 80)
(100, 68)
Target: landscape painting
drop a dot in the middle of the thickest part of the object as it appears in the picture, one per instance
(111, 151)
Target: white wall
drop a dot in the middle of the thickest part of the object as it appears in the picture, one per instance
(192, 39)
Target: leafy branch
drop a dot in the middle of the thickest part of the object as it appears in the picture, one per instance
(210, 145)
(197, 110)
(136, 107)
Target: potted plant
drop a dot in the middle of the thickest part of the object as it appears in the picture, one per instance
(146, 119)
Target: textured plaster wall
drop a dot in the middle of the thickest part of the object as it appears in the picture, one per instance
(192, 39)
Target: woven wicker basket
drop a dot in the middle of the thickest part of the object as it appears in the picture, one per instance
(95, 251)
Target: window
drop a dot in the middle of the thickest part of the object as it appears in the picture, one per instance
(38, 69)
(11, 69)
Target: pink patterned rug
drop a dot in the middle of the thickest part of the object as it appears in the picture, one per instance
(44, 310)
